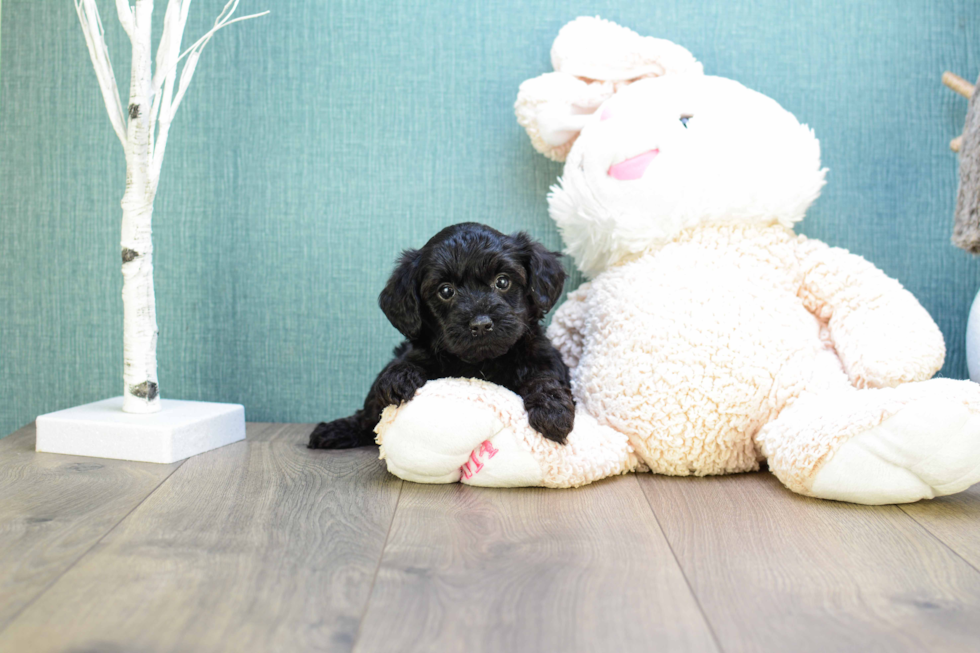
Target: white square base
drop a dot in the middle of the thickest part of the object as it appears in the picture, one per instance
(181, 429)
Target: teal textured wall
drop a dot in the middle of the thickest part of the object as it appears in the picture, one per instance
(317, 142)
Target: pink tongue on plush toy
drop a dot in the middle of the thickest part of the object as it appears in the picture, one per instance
(631, 169)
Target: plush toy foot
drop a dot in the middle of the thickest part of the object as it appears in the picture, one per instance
(927, 449)
(914, 442)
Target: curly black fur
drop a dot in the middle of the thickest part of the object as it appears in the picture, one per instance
(488, 327)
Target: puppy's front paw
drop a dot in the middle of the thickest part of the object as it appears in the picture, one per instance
(399, 384)
(340, 434)
(551, 413)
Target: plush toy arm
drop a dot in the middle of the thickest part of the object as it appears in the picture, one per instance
(882, 335)
(567, 328)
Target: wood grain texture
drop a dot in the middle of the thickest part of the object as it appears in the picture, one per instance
(258, 546)
(54, 508)
(955, 520)
(529, 570)
(777, 571)
(272, 433)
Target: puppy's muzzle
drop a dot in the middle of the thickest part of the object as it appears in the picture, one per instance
(481, 325)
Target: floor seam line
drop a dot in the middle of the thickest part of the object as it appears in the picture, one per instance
(87, 551)
(680, 567)
(937, 538)
(377, 569)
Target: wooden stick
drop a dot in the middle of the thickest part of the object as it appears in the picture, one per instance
(958, 84)
(956, 144)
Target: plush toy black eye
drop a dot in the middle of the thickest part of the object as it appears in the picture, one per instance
(502, 282)
(446, 291)
(684, 119)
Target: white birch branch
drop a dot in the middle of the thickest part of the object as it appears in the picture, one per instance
(165, 77)
(167, 52)
(201, 42)
(193, 54)
(125, 16)
(169, 48)
(88, 15)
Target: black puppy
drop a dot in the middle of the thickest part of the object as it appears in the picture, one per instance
(470, 304)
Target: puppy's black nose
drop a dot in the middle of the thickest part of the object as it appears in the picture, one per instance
(481, 325)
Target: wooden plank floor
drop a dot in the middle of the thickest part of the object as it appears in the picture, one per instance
(54, 509)
(265, 546)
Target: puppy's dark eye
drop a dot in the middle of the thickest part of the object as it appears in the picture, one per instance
(502, 282)
(446, 291)
(685, 118)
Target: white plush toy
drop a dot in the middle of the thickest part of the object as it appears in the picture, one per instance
(711, 337)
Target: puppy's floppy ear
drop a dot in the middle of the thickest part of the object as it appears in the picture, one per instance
(400, 298)
(545, 274)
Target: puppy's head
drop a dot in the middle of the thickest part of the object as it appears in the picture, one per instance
(472, 291)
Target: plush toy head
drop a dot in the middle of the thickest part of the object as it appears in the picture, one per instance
(671, 152)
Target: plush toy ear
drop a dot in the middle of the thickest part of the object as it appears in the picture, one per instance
(545, 274)
(553, 108)
(400, 298)
(593, 48)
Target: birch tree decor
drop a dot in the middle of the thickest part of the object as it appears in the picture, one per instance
(143, 127)
(156, 90)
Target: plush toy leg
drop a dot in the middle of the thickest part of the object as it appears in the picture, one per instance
(477, 433)
(894, 445)
(447, 434)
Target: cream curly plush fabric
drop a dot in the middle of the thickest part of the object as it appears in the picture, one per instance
(710, 337)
